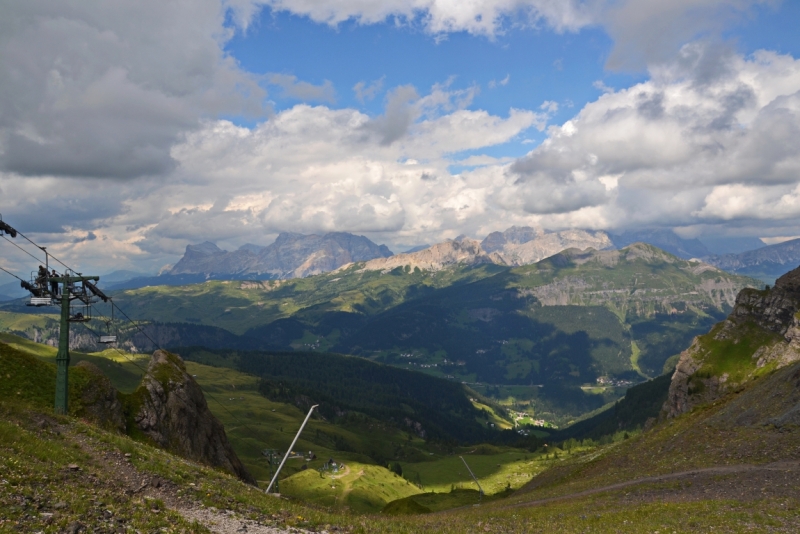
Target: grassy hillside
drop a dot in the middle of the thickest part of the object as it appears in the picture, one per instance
(581, 326)
(744, 490)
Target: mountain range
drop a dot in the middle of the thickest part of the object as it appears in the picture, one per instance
(578, 319)
(295, 256)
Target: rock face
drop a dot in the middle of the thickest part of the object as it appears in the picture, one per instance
(516, 235)
(290, 256)
(169, 408)
(438, 257)
(548, 244)
(766, 262)
(647, 296)
(526, 245)
(762, 332)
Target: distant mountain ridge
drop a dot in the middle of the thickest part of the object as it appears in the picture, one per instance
(463, 251)
(766, 263)
(296, 256)
(290, 256)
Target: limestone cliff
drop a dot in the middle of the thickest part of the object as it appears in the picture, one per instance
(761, 334)
(544, 245)
(290, 256)
(438, 257)
(169, 408)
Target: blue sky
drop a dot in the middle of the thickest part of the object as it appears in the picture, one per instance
(409, 121)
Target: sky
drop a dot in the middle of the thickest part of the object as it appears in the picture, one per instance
(130, 129)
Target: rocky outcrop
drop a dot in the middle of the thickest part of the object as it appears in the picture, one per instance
(440, 256)
(772, 309)
(290, 256)
(762, 330)
(169, 408)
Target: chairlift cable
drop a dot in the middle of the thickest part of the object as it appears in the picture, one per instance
(134, 323)
(42, 248)
(12, 274)
(23, 250)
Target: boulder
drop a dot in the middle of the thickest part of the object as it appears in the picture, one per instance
(169, 408)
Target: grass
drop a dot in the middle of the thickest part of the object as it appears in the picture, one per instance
(732, 353)
(33, 457)
(496, 470)
(359, 487)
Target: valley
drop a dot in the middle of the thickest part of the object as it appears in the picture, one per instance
(559, 338)
(721, 455)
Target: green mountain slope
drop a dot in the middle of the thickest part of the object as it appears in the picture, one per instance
(724, 466)
(575, 330)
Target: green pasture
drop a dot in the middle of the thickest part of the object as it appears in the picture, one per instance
(497, 470)
(359, 487)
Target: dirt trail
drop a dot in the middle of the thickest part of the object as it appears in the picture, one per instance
(787, 467)
(128, 479)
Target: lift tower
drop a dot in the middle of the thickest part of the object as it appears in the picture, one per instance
(68, 294)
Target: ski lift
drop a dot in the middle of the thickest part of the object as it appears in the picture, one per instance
(38, 288)
(81, 311)
(6, 229)
(109, 338)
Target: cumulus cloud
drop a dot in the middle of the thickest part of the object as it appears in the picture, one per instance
(652, 31)
(479, 17)
(89, 88)
(400, 114)
(644, 31)
(690, 146)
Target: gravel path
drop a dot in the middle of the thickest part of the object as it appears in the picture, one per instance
(127, 478)
(226, 522)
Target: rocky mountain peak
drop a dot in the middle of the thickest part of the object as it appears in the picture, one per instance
(547, 244)
(437, 257)
(292, 255)
(169, 407)
(516, 235)
(206, 248)
(762, 331)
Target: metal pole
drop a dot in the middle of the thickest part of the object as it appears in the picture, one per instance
(62, 357)
(472, 475)
(289, 451)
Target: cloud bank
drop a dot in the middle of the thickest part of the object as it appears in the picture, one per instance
(111, 131)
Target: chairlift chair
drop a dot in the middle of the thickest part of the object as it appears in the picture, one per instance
(40, 296)
(109, 338)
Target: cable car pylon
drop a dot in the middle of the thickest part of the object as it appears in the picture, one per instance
(44, 289)
(62, 357)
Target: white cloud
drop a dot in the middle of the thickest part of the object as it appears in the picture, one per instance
(644, 31)
(91, 88)
(652, 31)
(479, 17)
(709, 138)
